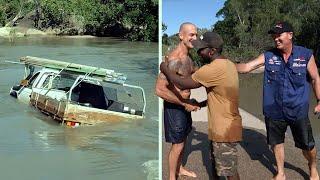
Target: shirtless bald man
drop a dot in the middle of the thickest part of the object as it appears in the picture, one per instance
(177, 103)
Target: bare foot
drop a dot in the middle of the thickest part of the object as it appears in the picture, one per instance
(279, 177)
(184, 172)
(314, 174)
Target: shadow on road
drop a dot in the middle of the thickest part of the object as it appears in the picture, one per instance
(254, 143)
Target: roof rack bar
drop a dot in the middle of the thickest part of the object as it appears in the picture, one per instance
(107, 74)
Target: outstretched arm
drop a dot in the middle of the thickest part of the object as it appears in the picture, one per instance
(254, 66)
(315, 80)
(181, 82)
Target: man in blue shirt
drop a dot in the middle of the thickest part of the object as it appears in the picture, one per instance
(286, 89)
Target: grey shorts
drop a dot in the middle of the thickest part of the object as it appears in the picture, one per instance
(225, 158)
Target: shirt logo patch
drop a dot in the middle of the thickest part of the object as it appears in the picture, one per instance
(298, 65)
(300, 59)
(274, 60)
(271, 61)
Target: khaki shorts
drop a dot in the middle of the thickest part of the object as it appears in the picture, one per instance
(225, 158)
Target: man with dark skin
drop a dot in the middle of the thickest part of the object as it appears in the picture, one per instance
(220, 78)
(177, 103)
(286, 95)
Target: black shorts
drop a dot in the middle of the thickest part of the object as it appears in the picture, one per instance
(177, 123)
(301, 132)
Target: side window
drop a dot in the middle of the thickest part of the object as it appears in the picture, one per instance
(33, 78)
(51, 82)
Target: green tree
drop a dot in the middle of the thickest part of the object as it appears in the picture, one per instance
(246, 22)
(131, 19)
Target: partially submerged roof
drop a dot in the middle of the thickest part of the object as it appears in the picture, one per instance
(106, 74)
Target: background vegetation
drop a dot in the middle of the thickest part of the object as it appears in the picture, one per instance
(246, 22)
(131, 19)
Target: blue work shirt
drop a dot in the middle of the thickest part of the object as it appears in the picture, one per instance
(285, 87)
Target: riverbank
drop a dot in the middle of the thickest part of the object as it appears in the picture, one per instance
(17, 32)
(256, 160)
